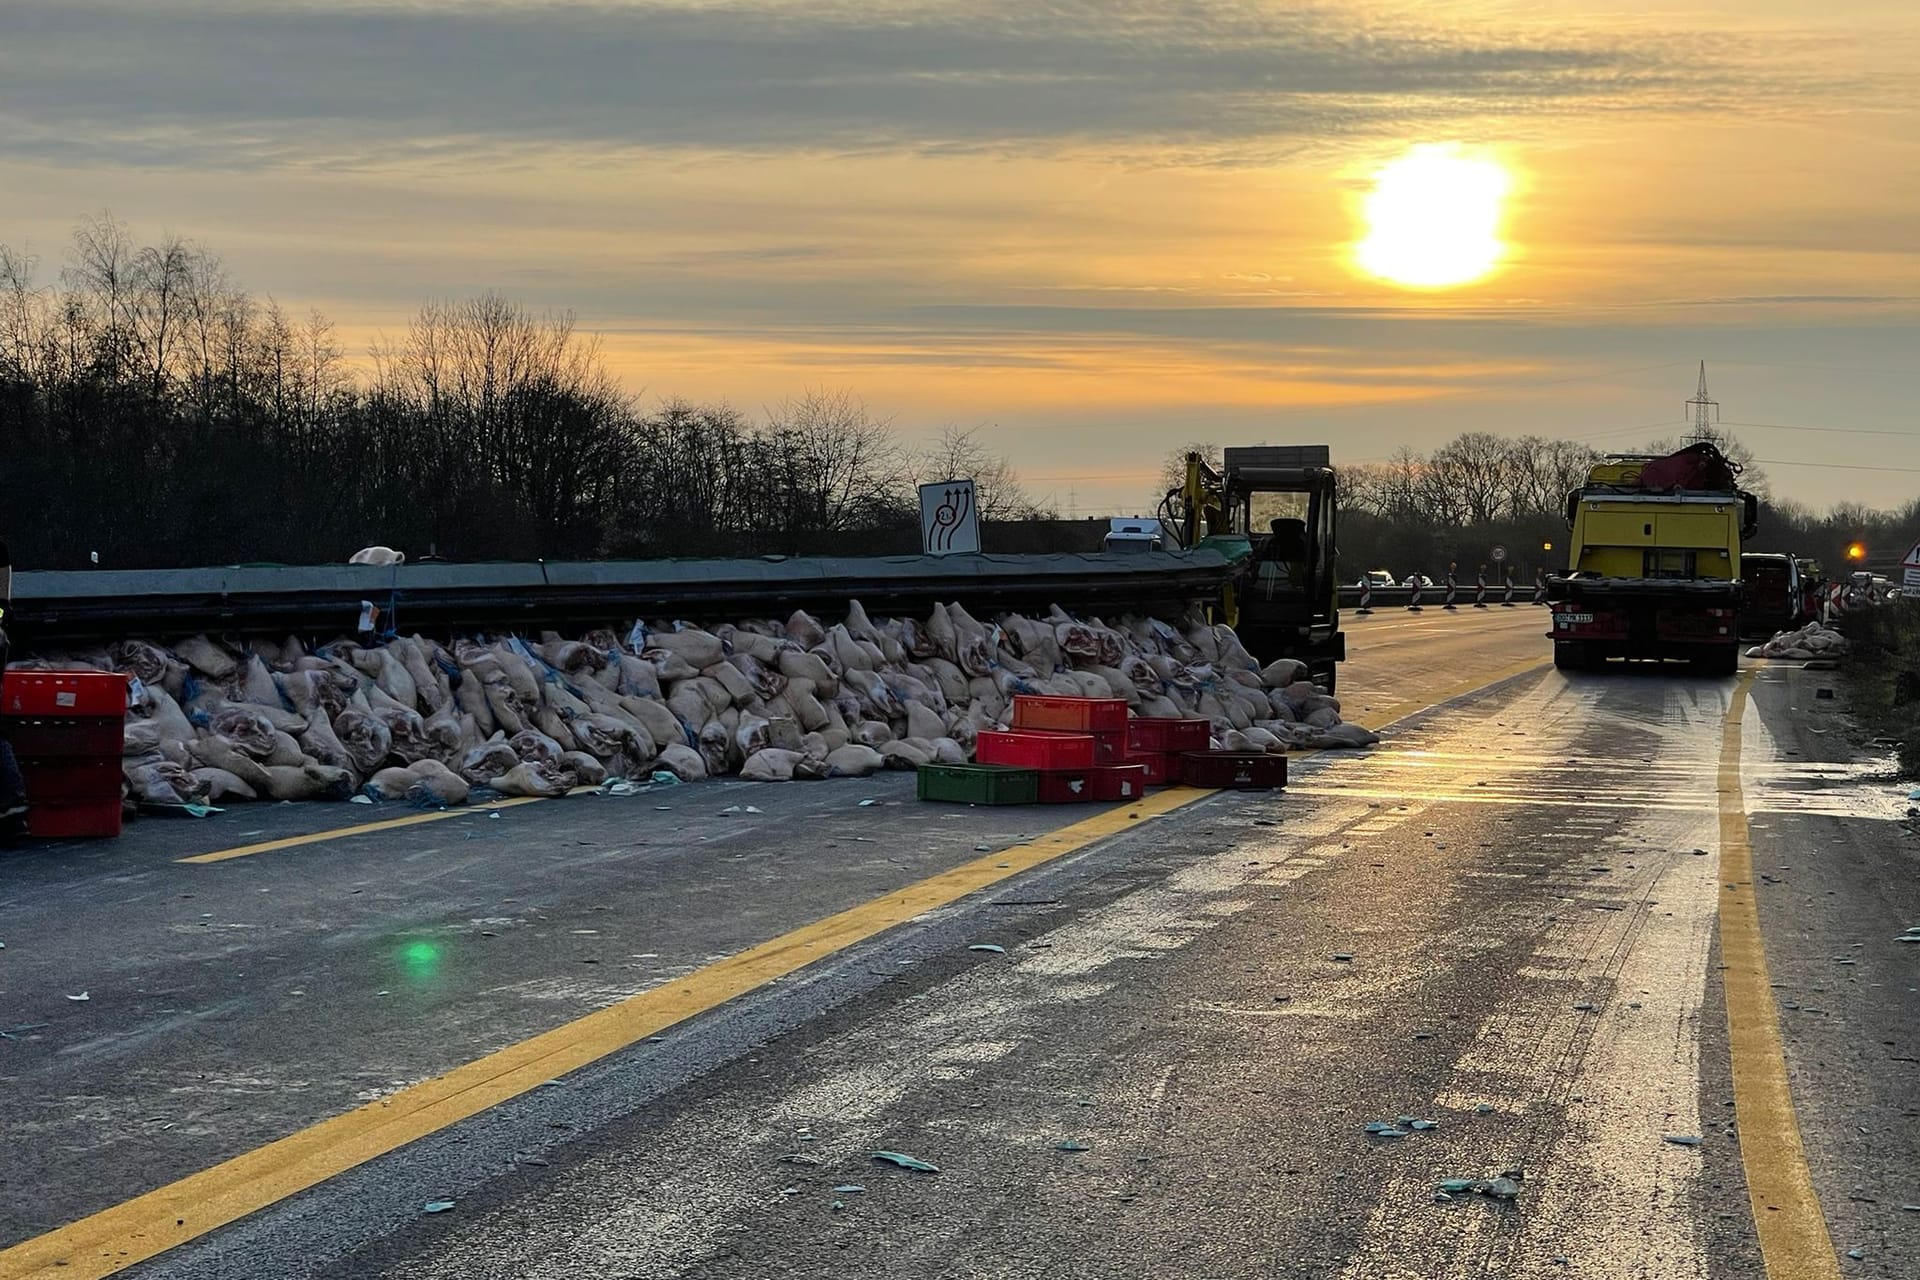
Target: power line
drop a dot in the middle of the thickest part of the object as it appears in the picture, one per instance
(1837, 466)
(1852, 431)
(1824, 368)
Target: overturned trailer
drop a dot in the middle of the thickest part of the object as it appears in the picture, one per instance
(326, 600)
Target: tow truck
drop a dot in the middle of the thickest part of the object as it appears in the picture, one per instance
(1654, 566)
(1273, 509)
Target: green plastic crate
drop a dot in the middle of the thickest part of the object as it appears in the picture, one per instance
(979, 784)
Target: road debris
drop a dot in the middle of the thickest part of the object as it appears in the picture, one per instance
(82, 997)
(906, 1161)
(1810, 641)
(1384, 1129)
(1681, 1139)
(1505, 1186)
(1071, 1145)
(993, 947)
(437, 1206)
(849, 1189)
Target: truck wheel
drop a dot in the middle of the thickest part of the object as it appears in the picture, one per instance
(1326, 676)
(1569, 655)
(1724, 661)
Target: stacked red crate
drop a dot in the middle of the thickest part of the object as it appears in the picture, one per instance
(1078, 744)
(1156, 745)
(66, 729)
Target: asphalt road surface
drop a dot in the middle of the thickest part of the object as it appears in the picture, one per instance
(662, 1035)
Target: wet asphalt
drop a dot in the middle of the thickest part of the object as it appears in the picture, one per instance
(1214, 1006)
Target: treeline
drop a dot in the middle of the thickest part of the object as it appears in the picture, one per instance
(155, 414)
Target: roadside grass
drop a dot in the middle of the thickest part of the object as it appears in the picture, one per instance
(1882, 667)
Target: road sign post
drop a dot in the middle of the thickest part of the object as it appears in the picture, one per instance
(949, 519)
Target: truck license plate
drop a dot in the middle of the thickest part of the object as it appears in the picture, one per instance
(1573, 619)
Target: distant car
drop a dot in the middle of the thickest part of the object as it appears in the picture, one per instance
(1375, 578)
(1417, 580)
(1133, 533)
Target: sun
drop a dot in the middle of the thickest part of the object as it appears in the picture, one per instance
(1433, 218)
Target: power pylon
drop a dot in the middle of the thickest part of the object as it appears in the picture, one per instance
(1705, 411)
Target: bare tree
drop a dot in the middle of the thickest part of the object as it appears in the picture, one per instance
(27, 346)
(844, 467)
(1403, 482)
(960, 455)
(1367, 487)
(1472, 468)
(1173, 468)
(102, 275)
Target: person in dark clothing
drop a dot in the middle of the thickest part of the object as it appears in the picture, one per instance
(13, 787)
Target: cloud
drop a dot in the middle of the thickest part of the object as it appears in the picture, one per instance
(174, 82)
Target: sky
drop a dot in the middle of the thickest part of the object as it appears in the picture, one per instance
(1092, 231)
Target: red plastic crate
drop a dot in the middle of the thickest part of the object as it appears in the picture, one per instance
(1034, 750)
(1192, 733)
(63, 693)
(89, 737)
(1109, 747)
(1233, 770)
(1157, 764)
(1119, 782)
(1069, 715)
(64, 780)
(67, 821)
(1067, 786)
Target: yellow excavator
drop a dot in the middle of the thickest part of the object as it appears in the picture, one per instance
(1273, 510)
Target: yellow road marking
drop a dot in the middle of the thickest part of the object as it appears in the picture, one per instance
(1786, 1210)
(167, 1217)
(341, 833)
(174, 1214)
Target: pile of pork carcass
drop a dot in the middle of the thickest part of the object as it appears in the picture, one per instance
(414, 719)
(1810, 641)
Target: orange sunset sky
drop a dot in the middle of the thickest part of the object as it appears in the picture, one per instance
(1096, 231)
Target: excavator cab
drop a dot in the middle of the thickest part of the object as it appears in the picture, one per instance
(1276, 506)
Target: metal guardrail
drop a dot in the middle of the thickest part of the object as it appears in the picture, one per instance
(107, 604)
(1400, 597)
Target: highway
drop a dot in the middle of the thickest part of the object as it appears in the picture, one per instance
(661, 1035)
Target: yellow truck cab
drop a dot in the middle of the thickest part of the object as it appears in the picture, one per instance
(1654, 562)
